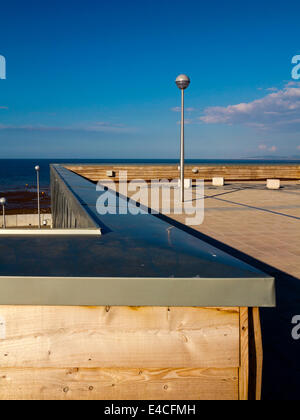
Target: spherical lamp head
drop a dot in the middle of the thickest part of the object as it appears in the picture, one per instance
(2, 201)
(37, 168)
(183, 81)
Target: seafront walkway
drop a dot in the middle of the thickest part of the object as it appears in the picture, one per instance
(264, 224)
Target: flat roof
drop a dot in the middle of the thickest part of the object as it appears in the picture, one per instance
(139, 260)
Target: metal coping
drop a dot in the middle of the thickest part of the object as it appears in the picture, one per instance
(139, 260)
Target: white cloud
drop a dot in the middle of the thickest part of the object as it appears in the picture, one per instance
(187, 121)
(292, 83)
(104, 126)
(178, 109)
(280, 108)
(264, 147)
(91, 127)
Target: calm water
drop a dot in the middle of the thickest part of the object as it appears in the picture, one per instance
(15, 174)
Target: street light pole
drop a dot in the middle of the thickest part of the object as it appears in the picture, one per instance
(37, 168)
(182, 83)
(3, 203)
(182, 149)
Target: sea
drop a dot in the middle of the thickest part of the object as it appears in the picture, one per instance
(20, 174)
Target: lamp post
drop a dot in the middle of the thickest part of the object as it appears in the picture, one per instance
(182, 83)
(37, 168)
(3, 203)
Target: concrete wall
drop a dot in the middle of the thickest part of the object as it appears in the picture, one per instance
(22, 220)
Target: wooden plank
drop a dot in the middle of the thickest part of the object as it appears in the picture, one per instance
(94, 337)
(118, 384)
(256, 355)
(244, 355)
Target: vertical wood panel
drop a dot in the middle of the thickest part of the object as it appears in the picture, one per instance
(244, 355)
(256, 355)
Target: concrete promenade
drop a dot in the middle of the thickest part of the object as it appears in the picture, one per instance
(264, 224)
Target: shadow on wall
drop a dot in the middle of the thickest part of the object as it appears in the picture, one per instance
(281, 373)
(281, 380)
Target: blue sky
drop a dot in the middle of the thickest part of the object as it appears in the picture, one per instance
(95, 79)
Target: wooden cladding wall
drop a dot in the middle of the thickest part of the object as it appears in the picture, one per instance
(148, 353)
(229, 172)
